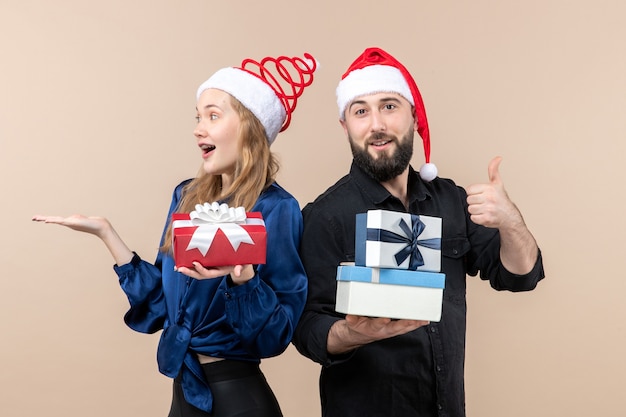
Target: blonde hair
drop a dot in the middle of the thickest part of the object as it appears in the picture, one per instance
(255, 171)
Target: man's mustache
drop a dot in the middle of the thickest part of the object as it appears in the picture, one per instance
(381, 136)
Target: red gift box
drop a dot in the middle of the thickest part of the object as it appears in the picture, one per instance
(218, 244)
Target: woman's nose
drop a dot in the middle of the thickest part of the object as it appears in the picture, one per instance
(199, 132)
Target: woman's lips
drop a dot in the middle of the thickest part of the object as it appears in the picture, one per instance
(207, 149)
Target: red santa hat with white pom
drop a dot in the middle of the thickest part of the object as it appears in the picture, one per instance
(269, 89)
(376, 71)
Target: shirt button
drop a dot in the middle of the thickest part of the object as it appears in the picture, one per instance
(454, 251)
(440, 407)
(227, 295)
(433, 330)
(438, 368)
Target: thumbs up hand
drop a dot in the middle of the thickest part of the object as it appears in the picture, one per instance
(489, 205)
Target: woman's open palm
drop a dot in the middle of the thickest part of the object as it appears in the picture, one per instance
(94, 225)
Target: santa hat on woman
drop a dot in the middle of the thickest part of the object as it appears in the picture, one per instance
(269, 89)
(375, 71)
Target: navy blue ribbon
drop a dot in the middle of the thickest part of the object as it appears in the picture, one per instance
(410, 239)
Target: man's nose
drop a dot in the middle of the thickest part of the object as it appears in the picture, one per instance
(378, 122)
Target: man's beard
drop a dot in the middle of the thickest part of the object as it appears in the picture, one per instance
(385, 167)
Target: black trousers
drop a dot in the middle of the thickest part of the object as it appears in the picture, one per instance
(239, 390)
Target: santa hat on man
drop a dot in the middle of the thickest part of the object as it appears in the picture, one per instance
(269, 89)
(375, 71)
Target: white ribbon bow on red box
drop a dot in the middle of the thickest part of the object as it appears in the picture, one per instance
(211, 217)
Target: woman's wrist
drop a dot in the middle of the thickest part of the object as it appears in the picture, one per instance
(240, 277)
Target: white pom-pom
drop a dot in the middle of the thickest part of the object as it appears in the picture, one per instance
(428, 172)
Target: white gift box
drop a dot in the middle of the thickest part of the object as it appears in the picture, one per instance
(390, 293)
(391, 239)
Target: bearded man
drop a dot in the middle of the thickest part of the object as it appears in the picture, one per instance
(376, 366)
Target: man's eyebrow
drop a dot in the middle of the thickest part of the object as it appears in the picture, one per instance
(387, 99)
(356, 102)
(382, 100)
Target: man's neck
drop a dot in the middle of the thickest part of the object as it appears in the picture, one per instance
(398, 186)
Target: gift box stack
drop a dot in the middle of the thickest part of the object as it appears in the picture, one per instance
(397, 268)
(218, 235)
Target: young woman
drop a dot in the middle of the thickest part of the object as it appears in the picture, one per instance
(219, 322)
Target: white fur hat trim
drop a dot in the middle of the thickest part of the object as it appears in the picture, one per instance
(371, 80)
(255, 94)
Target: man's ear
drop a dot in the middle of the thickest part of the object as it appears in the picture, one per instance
(344, 126)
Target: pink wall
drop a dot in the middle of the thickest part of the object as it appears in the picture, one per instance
(96, 114)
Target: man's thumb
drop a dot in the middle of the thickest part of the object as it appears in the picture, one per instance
(494, 170)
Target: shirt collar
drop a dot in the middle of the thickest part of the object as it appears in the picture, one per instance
(417, 189)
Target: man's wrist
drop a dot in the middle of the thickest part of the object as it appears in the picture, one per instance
(342, 339)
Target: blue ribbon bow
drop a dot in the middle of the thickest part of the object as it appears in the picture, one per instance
(410, 239)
